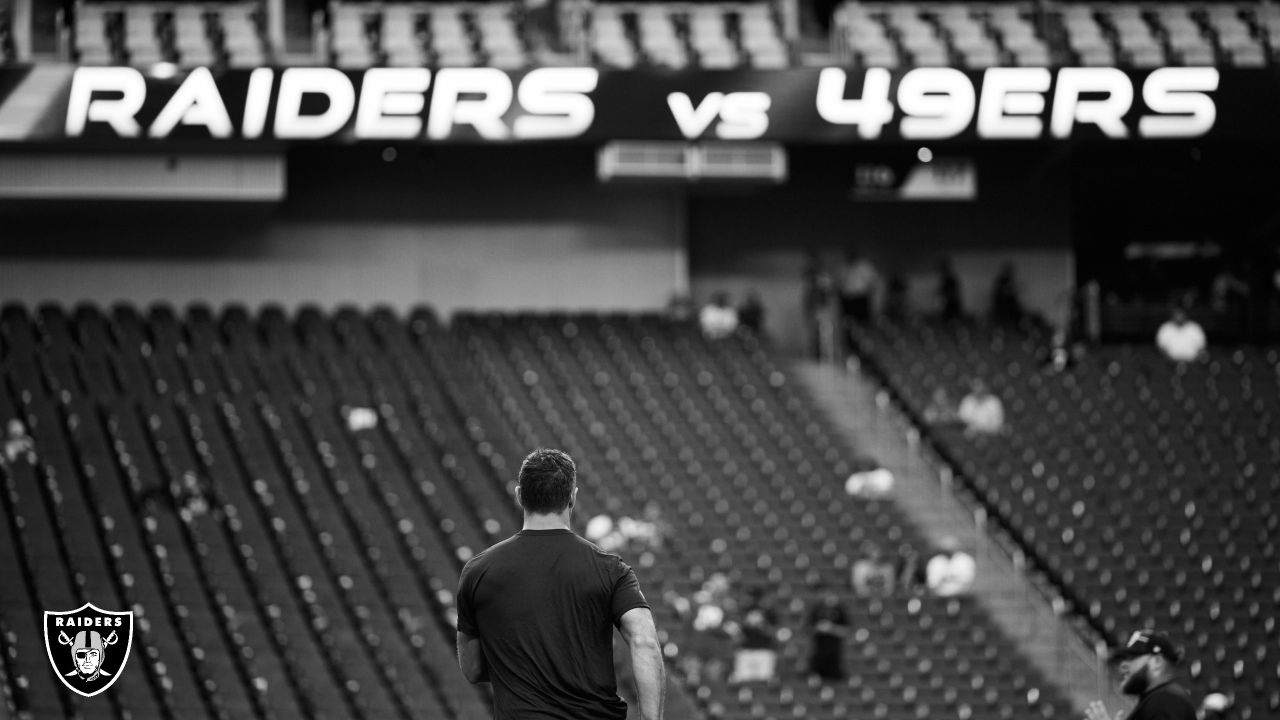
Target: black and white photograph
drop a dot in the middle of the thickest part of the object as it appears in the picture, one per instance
(639, 360)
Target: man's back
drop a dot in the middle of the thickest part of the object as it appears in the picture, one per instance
(544, 604)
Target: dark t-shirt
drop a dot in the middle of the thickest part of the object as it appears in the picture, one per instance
(1169, 701)
(544, 604)
(758, 623)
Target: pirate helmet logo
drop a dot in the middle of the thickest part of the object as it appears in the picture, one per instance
(88, 647)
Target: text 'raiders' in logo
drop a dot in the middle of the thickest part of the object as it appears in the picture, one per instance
(88, 647)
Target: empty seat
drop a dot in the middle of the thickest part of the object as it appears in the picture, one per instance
(92, 43)
(350, 40)
(191, 38)
(241, 36)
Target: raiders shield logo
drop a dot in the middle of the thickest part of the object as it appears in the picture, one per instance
(88, 647)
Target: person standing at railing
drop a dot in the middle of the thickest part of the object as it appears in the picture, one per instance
(830, 623)
(1148, 663)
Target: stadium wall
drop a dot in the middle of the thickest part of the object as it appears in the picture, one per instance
(531, 228)
(759, 239)
(477, 229)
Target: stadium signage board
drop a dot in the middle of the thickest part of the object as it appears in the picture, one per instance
(577, 104)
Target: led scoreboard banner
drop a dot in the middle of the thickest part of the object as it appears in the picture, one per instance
(566, 104)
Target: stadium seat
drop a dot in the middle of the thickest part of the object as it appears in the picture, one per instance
(242, 39)
(350, 40)
(294, 563)
(93, 28)
(402, 36)
(1061, 481)
(191, 37)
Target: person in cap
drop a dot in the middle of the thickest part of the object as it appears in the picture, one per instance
(1147, 668)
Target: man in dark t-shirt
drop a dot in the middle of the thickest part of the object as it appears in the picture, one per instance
(1147, 663)
(536, 613)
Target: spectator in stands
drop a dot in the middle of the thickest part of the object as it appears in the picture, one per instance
(680, 307)
(949, 291)
(18, 445)
(1006, 297)
(817, 294)
(601, 531)
(718, 318)
(981, 411)
(189, 496)
(627, 534)
(908, 569)
(757, 654)
(1181, 338)
(859, 282)
(360, 418)
(941, 410)
(870, 480)
(951, 571)
(1228, 293)
(872, 574)
(1147, 670)
(1215, 706)
(751, 313)
(711, 644)
(1061, 356)
(895, 297)
(830, 624)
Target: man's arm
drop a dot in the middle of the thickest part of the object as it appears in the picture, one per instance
(646, 661)
(471, 659)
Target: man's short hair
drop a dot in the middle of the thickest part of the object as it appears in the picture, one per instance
(547, 479)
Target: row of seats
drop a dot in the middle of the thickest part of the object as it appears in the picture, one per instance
(712, 36)
(498, 35)
(413, 35)
(1147, 491)
(678, 35)
(201, 469)
(716, 437)
(981, 35)
(1161, 34)
(197, 471)
(361, 35)
(899, 34)
(185, 34)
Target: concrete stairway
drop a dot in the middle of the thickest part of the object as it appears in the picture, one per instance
(925, 490)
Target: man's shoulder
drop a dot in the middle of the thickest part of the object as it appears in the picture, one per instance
(602, 556)
(1172, 700)
(487, 555)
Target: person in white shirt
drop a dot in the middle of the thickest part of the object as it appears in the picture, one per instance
(1180, 338)
(871, 482)
(981, 411)
(950, 572)
(872, 574)
(17, 444)
(718, 318)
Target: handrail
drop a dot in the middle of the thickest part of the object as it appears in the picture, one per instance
(942, 457)
(1085, 643)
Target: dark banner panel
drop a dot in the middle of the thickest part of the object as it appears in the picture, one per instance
(556, 104)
